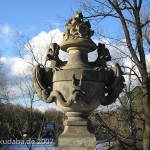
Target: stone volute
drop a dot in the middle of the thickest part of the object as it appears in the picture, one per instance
(78, 86)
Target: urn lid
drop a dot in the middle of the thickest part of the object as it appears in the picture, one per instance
(78, 34)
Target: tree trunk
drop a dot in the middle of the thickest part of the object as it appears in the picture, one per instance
(131, 124)
(146, 106)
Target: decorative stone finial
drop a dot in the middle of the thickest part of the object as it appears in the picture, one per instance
(78, 31)
(78, 28)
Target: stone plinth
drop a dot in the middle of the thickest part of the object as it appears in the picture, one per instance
(76, 137)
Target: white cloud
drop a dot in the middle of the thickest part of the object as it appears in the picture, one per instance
(44, 39)
(105, 41)
(5, 29)
(41, 108)
(7, 33)
(40, 44)
(16, 66)
(46, 106)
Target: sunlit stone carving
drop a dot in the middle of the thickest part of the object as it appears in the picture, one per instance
(78, 86)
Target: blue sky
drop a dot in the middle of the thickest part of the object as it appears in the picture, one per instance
(32, 16)
(24, 14)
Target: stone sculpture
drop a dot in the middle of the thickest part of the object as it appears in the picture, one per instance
(78, 86)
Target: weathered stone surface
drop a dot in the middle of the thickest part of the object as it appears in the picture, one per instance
(78, 86)
(86, 44)
(76, 138)
(75, 123)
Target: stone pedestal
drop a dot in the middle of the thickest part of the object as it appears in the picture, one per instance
(76, 137)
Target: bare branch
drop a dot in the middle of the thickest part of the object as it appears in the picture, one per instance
(145, 23)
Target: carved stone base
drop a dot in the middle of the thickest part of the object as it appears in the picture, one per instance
(76, 137)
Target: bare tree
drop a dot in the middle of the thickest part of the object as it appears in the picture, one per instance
(135, 22)
(3, 83)
(121, 127)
